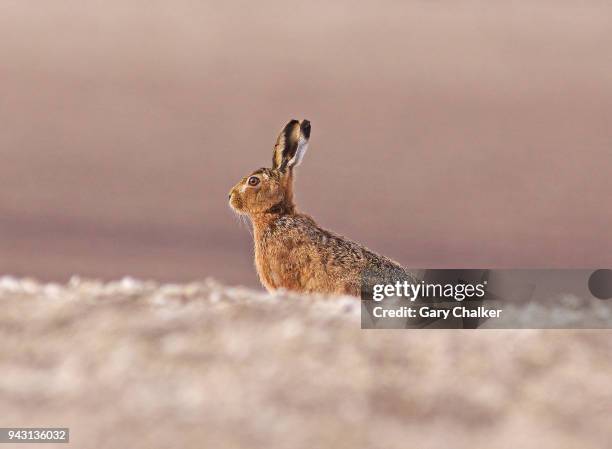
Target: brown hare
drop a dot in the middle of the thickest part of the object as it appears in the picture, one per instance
(291, 250)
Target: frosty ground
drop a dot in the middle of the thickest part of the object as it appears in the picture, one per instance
(141, 365)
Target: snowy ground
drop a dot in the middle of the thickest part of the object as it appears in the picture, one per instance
(141, 365)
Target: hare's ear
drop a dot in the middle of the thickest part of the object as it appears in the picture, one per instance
(291, 145)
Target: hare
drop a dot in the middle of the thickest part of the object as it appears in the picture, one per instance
(291, 250)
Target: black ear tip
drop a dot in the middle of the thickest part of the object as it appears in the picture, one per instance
(305, 128)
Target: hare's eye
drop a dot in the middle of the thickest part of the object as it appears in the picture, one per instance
(253, 181)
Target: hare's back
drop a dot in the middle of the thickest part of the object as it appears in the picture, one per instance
(336, 252)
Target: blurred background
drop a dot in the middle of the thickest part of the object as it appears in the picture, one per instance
(445, 134)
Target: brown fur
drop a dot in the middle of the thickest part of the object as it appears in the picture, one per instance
(291, 250)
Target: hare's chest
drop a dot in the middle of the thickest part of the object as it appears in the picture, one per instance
(285, 260)
(277, 267)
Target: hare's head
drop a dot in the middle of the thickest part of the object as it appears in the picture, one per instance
(270, 190)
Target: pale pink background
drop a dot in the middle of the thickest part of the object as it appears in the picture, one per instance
(445, 134)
